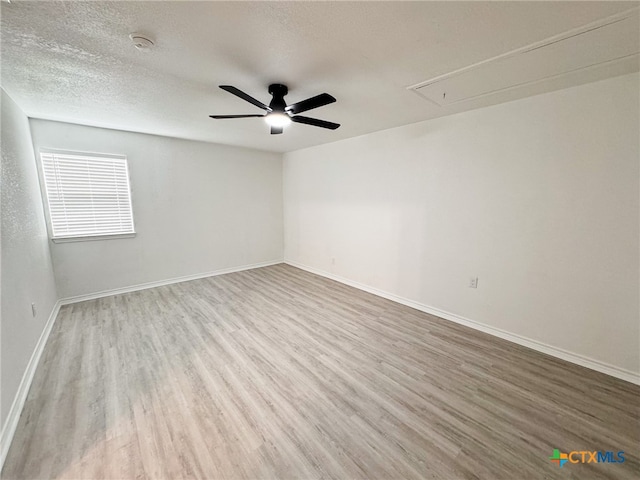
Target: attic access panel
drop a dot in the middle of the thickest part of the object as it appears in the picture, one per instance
(609, 42)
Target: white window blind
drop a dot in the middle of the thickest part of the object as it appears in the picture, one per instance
(88, 195)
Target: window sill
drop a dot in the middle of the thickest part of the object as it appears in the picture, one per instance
(93, 237)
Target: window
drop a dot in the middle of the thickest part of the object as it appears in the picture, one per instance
(87, 194)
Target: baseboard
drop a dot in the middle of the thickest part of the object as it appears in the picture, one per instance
(10, 425)
(560, 353)
(160, 283)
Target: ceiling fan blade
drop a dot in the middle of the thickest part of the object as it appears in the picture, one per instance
(244, 96)
(276, 130)
(310, 103)
(315, 122)
(234, 116)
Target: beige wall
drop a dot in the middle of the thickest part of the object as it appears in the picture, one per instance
(538, 198)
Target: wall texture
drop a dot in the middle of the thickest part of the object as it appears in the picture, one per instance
(197, 208)
(538, 198)
(27, 274)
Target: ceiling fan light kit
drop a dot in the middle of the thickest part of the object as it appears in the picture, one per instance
(275, 119)
(279, 115)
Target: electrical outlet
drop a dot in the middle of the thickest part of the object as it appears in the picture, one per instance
(333, 260)
(473, 282)
(33, 309)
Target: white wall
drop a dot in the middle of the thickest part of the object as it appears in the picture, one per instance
(539, 198)
(198, 208)
(27, 274)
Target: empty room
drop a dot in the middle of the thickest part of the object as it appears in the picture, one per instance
(320, 239)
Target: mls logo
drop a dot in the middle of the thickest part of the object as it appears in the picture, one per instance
(559, 458)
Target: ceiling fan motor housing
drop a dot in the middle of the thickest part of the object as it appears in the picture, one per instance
(278, 91)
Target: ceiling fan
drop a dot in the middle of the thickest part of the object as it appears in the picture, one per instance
(279, 115)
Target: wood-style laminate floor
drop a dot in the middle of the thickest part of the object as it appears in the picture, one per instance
(278, 373)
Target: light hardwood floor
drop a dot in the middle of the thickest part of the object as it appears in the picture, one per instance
(278, 373)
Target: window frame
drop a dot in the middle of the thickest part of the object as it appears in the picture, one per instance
(45, 197)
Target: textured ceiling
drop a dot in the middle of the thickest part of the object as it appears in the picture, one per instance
(73, 61)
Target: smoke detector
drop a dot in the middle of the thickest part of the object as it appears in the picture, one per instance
(141, 42)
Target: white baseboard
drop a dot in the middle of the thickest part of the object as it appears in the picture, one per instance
(560, 353)
(11, 423)
(160, 283)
